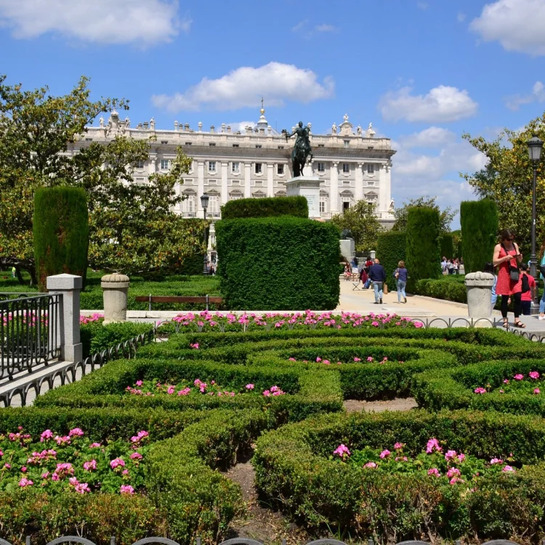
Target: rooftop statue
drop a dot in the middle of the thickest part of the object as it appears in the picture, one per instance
(301, 149)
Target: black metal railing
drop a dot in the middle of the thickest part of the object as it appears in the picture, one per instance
(29, 333)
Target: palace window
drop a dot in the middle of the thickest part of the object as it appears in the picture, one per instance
(235, 166)
(258, 168)
(211, 166)
(280, 169)
(346, 168)
(165, 164)
(321, 167)
(370, 168)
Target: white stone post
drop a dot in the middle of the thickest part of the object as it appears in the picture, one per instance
(479, 295)
(69, 287)
(115, 288)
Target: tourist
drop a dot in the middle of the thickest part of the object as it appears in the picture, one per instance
(489, 268)
(528, 289)
(377, 274)
(401, 274)
(507, 258)
(444, 265)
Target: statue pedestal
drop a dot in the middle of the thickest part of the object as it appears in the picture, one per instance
(308, 187)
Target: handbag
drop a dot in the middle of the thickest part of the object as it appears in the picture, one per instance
(514, 273)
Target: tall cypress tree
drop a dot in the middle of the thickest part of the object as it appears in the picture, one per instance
(423, 253)
(61, 232)
(479, 222)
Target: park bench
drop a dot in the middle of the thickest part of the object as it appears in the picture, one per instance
(197, 299)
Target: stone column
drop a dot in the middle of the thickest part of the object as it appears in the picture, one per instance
(69, 286)
(479, 296)
(115, 288)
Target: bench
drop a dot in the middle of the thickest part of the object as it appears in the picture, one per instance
(198, 299)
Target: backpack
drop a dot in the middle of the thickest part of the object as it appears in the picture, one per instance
(525, 283)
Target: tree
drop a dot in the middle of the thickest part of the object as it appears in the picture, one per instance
(401, 214)
(362, 222)
(36, 131)
(507, 179)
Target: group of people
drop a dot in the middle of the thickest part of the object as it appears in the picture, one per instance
(513, 282)
(373, 274)
(450, 266)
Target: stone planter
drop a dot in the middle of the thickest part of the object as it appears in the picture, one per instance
(115, 288)
(479, 296)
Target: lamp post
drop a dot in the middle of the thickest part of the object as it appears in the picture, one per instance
(204, 203)
(534, 151)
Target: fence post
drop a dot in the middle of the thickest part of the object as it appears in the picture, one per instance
(69, 286)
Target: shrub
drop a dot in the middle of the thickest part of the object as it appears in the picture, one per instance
(479, 221)
(391, 250)
(266, 207)
(423, 257)
(278, 263)
(61, 232)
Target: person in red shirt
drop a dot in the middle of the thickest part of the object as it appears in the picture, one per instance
(529, 295)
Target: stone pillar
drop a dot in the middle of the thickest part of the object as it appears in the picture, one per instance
(69, 286)
(115, 288)
(479, 295)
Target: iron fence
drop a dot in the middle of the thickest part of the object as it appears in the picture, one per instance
(29, 333)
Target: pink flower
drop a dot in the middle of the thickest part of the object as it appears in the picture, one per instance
(25, 482)
(534, 375)
(342, 451)
(433, 446)
(507, 469)
(356, 358)
(90, 466)
(496, 461)
(47, 434)
(518, 376)
(136, 456)
(450, 455)
(76, 432)
(480, 390)
(371, 465)
(453, 472)
(318, 359)
(195, 346)
(385, 453)
(370, 358)
(537, 391)
(249, 386)
(139, 383)
(434, 471)
(126, 489)
(506, 381)
(399, 446)
(95, 445)
(117, 462)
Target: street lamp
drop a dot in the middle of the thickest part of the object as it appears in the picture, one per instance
(204, 203)
(534, 151)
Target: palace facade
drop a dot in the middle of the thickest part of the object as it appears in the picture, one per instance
(228, 164)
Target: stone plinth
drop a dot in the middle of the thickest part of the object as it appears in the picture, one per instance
(69, 286)
(308, 187)
(115, 288)
(479, 295)
(348, 248)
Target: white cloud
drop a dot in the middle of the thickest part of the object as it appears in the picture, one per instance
(245, 86)
(432, 137)
(142, 22)
(441, 104)
(537, 95)
(325, 28)
(309, 31)
(434, 174)
(516, 24)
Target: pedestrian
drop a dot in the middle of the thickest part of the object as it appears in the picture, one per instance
(401, 274)
(444, 265)
(528, 291)
(364, 278)
(489, 268)
(507, 258)
(541, 270)
(377, 274)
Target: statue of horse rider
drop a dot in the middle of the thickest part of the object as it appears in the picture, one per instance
(301, 149)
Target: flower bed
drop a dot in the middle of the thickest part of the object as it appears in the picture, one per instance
(510, 386)
(382, 495)
(60, 463)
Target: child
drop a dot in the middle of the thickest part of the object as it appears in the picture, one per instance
(528, 289)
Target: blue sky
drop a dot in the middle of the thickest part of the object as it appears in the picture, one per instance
(422, 71)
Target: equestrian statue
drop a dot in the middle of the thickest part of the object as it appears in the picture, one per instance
(301, 149)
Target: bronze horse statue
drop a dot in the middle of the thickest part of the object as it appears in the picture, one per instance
(301, 150)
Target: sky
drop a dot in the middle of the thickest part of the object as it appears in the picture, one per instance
(423, 72)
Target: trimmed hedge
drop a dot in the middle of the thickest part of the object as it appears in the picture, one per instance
(454, 389)
(184, 500)
(60, 232)
(295, 472)
(278, 263)
(391, 248)
(423, 252)
(266, 207)
(479, 222)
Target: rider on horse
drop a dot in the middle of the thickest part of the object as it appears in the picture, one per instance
(301, 149)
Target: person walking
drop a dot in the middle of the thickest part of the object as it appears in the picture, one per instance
(377, 275)
(506, 258)
(541, 268)
(401, 274)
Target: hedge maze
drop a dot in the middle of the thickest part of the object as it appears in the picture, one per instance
(280, 391)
